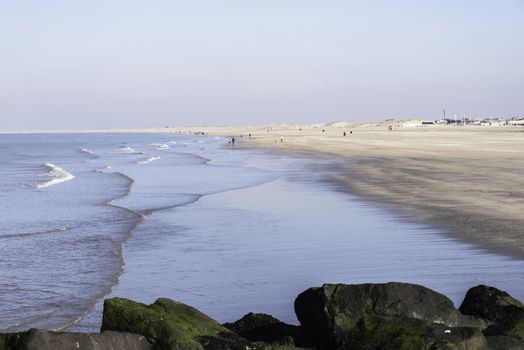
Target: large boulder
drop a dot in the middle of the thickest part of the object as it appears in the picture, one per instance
(503, 342)
(13, 341)
(266, 328)
(503, 313)
(404, 315)
(404, 333)
(169, 325)
(46, 340)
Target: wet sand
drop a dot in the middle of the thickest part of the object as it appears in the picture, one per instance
(467, 181)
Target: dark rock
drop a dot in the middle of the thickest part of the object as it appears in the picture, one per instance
(491, 304)
(13, 341)
(396, 333)
(458, 337)
(169, 325)
(46, 340)
(502, 342)
(397, 313)
(503, 313)
(266, 328)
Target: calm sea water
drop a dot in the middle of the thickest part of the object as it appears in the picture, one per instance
(86, 216)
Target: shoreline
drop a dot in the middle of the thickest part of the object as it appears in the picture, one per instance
(463, 182)
(369, 172)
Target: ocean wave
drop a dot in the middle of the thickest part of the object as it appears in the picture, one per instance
(102, 170)
(172, 142)
(23, 322)
(160, 146)
(128, 150)
(147, 160)
(25, 234)
(88, 151)
(57, 175)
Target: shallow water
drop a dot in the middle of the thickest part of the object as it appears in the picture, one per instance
(255, 249)
(227, 231)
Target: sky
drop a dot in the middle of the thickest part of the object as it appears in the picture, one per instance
(130, 63)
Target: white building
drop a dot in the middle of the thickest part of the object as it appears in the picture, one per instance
(516, 122)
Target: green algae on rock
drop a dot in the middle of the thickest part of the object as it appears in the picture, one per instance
(169, 325)
(409, 334)
(342, 316)
(388, 316)
(503, 313)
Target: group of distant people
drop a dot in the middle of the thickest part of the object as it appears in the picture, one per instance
(233, 140)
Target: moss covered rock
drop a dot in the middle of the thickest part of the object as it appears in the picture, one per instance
(503, 342)
(503, 313)
(169, 325)
(409, 334)
(335, 315)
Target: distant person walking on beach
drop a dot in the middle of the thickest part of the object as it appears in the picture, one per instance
(344, 133)
(233, 141)
(281, 139)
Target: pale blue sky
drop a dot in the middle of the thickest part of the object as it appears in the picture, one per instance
(127, 63)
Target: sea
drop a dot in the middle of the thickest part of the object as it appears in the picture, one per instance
(88, 216)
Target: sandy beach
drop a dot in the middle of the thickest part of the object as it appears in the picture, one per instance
(466, 181)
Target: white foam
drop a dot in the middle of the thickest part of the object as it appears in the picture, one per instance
(102, 170)
(148, 160)
(172, 142)
(85, 150)
(57, 175)
(160, 146)
(128, 150)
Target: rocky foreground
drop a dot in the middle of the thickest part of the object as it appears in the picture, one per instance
(334, 316)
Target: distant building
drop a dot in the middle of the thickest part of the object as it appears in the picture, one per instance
(453, 121)
(475, 121)
(516, 122)
(493, 122)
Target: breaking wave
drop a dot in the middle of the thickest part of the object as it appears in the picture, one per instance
(128, 150)
(56, 174)
(147, 160)
(160, 146)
